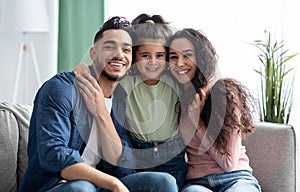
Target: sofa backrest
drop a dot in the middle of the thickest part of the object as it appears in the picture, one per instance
(271, 149)
(14, 121)
(272, 153)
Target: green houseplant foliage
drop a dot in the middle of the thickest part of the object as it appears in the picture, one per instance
(276, 79)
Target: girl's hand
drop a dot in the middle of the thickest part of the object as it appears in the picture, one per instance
(81, 69)
(91, 92)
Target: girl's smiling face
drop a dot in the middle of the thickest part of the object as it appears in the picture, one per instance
(151, 62)
(182, 60)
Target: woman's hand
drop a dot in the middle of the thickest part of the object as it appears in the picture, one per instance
(196, 106)
(191, 123)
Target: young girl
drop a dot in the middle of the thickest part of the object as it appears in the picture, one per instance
(152, 102)
(215, 120)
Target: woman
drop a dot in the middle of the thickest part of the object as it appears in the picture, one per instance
(214, 120)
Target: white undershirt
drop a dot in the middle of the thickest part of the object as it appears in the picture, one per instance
(92, 152)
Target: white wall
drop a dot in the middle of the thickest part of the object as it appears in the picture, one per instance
(230, 25)
(45, 45)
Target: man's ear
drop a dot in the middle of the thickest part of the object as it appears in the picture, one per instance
(93, 53)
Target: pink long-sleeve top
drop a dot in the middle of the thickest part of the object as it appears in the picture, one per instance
(203, 157)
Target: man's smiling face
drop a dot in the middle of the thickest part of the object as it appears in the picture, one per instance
(112, 54)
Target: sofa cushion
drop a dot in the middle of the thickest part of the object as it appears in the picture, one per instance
(14, 120)
(272, 153)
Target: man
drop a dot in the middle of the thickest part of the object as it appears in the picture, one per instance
(62, 120)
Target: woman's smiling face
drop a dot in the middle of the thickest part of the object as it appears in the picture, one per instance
(182, 60)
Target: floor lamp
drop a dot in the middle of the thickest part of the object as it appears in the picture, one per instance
(30, 18)
(25, 48)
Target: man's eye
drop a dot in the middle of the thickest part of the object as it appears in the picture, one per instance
(127, 50)
(109, 47)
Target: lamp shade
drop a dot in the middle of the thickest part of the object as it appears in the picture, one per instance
(27, 16)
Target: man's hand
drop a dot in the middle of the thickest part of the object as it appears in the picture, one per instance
(82, 171)
(119, 186)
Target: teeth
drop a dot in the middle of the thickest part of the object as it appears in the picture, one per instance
(182, 72)
(151, 69)
(117, 64)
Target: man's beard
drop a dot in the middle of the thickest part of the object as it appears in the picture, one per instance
(112, 77)
(107, 75)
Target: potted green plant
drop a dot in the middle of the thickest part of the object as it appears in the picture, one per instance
(276, 80)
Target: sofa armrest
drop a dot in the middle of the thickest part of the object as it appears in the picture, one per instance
(272, 153)
(14, 122)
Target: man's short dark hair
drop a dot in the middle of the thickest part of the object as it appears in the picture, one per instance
(115, 22)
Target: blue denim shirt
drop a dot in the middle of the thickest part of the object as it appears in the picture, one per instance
(59, 126)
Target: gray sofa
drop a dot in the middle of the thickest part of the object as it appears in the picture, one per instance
(272, 153)
(271, 149)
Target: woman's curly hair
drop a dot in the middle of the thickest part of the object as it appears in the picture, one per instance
(206, 56)
(228, 107)
(206, 61)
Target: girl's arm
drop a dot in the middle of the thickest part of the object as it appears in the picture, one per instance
(94, 99)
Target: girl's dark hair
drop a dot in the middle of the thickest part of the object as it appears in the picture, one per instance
(143, 18)
(146, 27)
(228, 107)
(150, 27)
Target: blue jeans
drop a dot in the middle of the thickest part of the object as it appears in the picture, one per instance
(236, 181)
(136, 182)
(162, 156)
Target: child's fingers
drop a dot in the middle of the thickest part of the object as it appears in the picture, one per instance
(84, 88)
(88, 85)
(82, 81)
(81, 68)
(87, 80)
